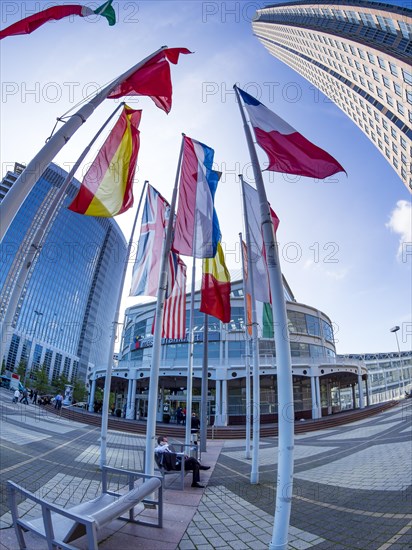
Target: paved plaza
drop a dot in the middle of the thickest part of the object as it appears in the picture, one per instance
(352, 485)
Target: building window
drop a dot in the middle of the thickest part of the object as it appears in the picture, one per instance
(407, 77)
(406, 29)
(389, 100)
(409, 97)
(327, 331)
(371, 58)
(398, 89)
(379, 92)
(381, 63)
(400, 107)
(375, 75)
(393, 68)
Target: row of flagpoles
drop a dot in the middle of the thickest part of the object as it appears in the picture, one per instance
(192, 230)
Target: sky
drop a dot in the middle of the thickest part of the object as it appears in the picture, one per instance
(344, 242)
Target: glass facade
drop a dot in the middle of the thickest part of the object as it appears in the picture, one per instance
(348, 50)
(69, 299)
(311, 335)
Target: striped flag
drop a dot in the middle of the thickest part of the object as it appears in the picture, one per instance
(174, 314)
(215, 293)
(36, 20)
(107, 187)
(257, 252)
(145, 277)
(288, 151)
(246, 290)
(197, 229)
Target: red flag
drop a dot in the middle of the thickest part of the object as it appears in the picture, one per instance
(152, 79)
(33, 22)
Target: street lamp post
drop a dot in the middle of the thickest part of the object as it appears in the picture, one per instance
(401, 380)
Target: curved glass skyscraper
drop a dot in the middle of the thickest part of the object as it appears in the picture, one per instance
(358, 53)
(63, 318)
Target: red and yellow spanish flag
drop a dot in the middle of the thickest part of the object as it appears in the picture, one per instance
(107, 188)
(215, 293)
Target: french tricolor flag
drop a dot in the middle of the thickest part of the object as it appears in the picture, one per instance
(197, 229)
(288, 151)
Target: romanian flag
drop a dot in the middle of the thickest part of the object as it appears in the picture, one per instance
(33, 22)
(215, 293)
(152, 79)
(107, 188)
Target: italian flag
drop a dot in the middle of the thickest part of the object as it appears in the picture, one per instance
(33, 22)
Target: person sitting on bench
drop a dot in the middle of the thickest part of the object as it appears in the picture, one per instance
(189, 464)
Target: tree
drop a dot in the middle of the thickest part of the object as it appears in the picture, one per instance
(41, 380)
(79, 390)
(21, 369)
(60, 383)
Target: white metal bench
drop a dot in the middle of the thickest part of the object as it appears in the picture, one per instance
(60, 527)
(192, 450)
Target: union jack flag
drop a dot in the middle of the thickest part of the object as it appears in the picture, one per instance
(145, 277)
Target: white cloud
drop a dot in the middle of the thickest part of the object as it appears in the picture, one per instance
(400, 222)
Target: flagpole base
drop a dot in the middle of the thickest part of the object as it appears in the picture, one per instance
(254, 478)
(274, 546)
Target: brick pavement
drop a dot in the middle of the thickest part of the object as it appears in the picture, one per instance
(352, 487)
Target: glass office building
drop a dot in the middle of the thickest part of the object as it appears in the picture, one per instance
(323, 383)
(64, 313)
(358, 53)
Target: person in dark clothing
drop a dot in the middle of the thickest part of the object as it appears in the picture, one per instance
(24, 397)
(190, 462)
(194, 427)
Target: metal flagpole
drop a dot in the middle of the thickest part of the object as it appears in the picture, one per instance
(157, 336)
(247, 354)
(283, 359)
(25, 182)
(108, 378)
(34, 248)
(254, 472)
(204, 386)
(189, 383)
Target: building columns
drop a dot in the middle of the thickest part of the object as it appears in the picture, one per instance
(131, 399)
(360, 390)
(218, 403)
(314, 398)
(91, 396)
(224, 402)
(353, 395)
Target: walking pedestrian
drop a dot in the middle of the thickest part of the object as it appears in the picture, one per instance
(24, 396)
